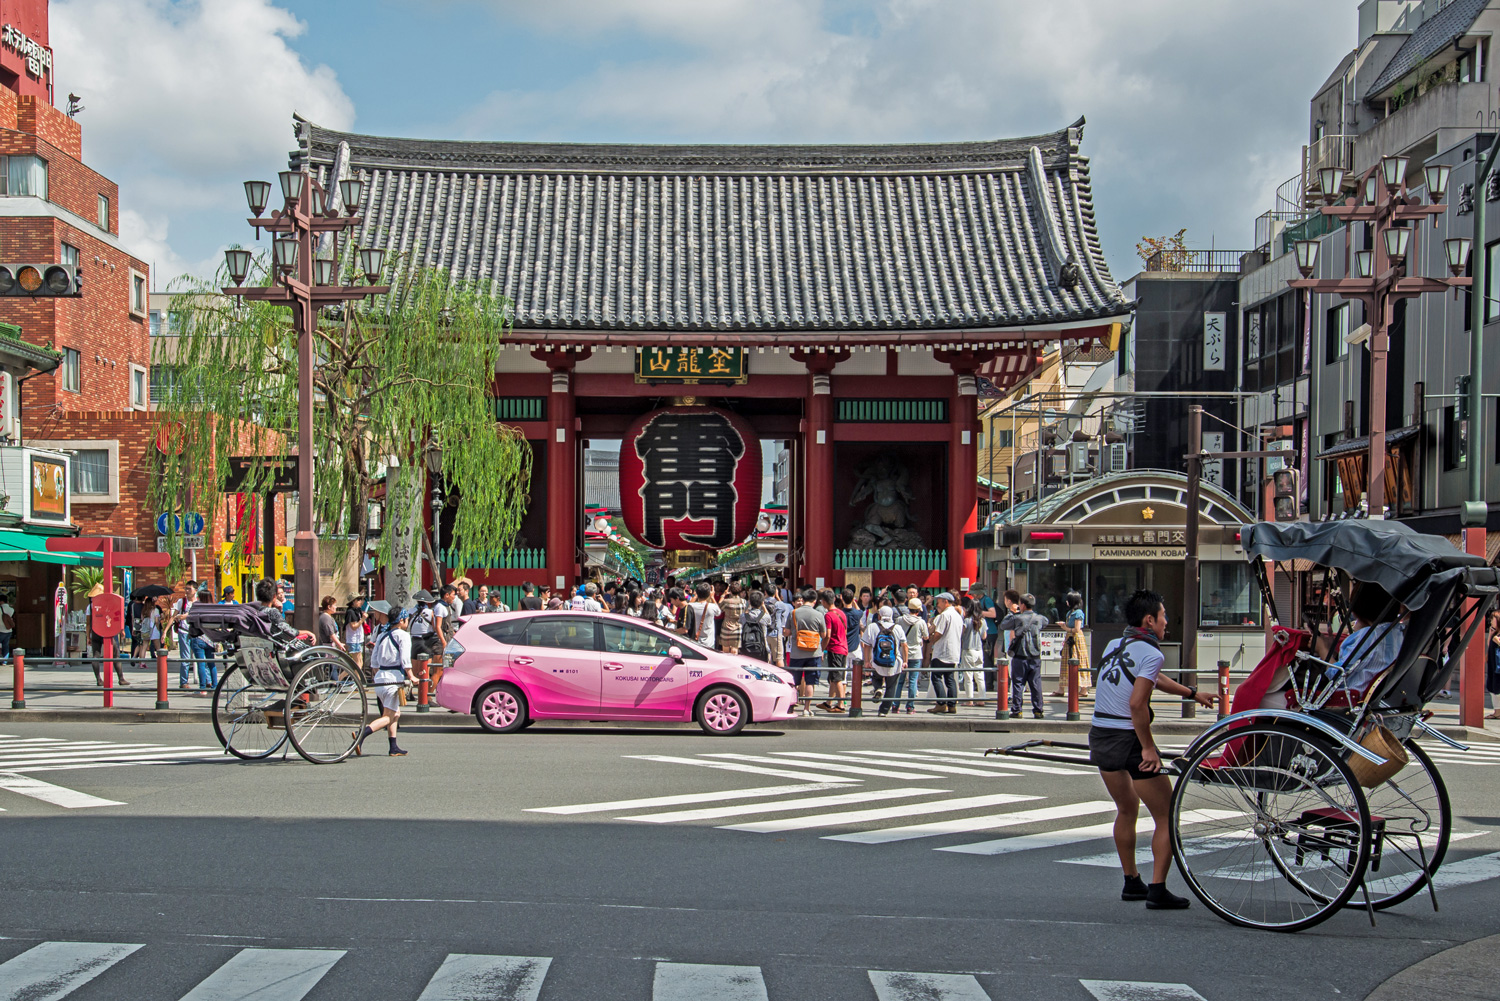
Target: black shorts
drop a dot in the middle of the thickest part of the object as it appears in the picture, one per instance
(1117, 751)
(426, 647)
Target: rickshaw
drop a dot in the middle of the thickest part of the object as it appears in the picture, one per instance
(276, 688)
(1313, 795)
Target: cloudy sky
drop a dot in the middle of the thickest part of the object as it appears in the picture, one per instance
(1196, 110)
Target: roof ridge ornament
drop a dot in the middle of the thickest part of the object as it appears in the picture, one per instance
(1063, 265)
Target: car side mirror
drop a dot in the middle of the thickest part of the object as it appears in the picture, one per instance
(675, 652)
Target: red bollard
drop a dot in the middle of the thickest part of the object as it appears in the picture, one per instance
(1073, 713)
(161, 680)
(422, 705)
(1223, 688)
(1002, 682)
(856, 706)
(18, 680)
(107, 681)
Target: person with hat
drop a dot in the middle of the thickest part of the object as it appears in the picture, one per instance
(883, 644)
(916, 630)
(390, 662)
(944, 650)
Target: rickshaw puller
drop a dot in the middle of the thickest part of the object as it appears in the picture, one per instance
(390, 660)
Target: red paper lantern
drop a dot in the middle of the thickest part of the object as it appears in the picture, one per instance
(690, 478)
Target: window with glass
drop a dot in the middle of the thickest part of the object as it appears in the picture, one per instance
(561, 633)
(1336, 343)
(23, 175)
(104, 212)
(1491, 265)
(510, 632)
(91, 471)
(1050, 583)
(1112, 586)
(1228, 596)
(138, 294)
(68, 254)
(137, 387)
(620, 637)
(1005, 438)
(72, 370)
(156, 323)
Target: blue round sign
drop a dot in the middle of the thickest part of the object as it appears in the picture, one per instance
(192, 523)
(165, 523)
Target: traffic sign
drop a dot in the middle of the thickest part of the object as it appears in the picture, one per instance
(167, 523)
(188, 542)
(192, 523)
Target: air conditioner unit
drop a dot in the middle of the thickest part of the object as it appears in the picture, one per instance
(1078, 456)
(1116, 457)
(1038, 555)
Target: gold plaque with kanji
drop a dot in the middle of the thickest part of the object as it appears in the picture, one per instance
(688, 366)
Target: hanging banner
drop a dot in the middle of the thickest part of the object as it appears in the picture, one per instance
(690, 478)
(690, 365)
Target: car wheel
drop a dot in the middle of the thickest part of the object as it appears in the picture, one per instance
(501, 709)
(723, 712)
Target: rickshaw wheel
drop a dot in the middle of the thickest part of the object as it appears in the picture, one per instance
(328, 706)
(1414, 808)
(239, 716)
(1270, 828)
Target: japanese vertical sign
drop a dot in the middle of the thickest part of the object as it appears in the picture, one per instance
(1215, 342)
(690, 478)
(1213, 469)
(690, 365)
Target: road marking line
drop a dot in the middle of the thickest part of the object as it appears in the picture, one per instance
(691, 797)
(266, 975)
(16, 764)
(979, 758)
(467, 977)
(926, 987)
(884, 813)
(1073, 835)
(918, 765)
(964, 825)
(849, 769)
(53, 970)
(1139, 990)
(807, 802)
(48, 793)
(214, 757)
(1449, 874)
(731, 766)
(698, 982)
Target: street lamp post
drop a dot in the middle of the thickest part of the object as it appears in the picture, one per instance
(1380, 278)
(305, 285)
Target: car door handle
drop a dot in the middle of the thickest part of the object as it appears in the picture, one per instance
(526, 661)
(612, 666)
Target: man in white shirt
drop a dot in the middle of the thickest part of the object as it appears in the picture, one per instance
(702, 616)
(7, 628)
(943, 653)
(180, 609)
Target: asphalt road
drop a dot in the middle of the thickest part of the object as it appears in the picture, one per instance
(380, 871)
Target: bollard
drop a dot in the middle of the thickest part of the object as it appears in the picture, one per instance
(856, 705)
(18, 680)
(161, 682)
(1073, 713)
(1189, 706)
(422, 705)
(1002, 682)
(1223, 688)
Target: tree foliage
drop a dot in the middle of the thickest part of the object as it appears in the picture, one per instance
(1173, 250)
(394, 377)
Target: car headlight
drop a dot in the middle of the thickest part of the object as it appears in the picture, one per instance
(451, 653)
(762, 674)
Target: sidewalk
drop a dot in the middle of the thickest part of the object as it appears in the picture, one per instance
(137, 704)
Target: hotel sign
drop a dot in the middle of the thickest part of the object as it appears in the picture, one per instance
(690, 365)
(38, 56)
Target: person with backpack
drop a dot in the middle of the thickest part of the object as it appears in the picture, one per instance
(176, 627)
(1025, 627)
(755, 629)
(885, 651)
(916, 631)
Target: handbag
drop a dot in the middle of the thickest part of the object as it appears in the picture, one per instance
(808, 639)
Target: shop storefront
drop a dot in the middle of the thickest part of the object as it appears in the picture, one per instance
(1114, 534)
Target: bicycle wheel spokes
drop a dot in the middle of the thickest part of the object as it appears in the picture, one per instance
(1414, 825)
(239, 716)
(1270, 829)
(327, 709)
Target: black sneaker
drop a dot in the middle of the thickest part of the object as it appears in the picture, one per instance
(1038, 716)
(397, 752)
(1159, 898)
(1135, 888)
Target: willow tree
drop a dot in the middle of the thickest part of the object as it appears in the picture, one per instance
(397, 379)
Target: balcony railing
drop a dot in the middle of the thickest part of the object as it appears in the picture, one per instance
(1192, 261)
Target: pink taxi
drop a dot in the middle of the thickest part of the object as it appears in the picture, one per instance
(512, 668)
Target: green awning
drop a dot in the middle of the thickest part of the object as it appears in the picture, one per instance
(19, 546)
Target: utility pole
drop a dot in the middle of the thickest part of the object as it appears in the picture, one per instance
(1190, 581)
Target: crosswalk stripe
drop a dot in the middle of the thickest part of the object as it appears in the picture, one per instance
(697, 982)
(12, 749)
(734, 766)
(926, 987)
(16, 764)
(70, 799)
(692, 797)
(1449, 874)
(879, 773)
(53, 970)
(804, 803)
(922, 766)
(467, 977)
(1138, 990)
(1073, 835)
(883, 813)
(980, 759)
(965, 825)
(215, 757)
(266, 975)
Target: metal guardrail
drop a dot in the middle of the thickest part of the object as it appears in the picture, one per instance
(1198, 261)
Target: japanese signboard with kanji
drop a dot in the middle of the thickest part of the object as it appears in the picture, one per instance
(690, 365)
(1214, 342)
(690, 478)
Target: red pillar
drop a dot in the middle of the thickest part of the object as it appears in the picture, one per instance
(963, 480)
(1471, 687)
(818, 449)
(563, 506)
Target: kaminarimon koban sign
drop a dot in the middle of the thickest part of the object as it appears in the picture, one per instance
(690, 478)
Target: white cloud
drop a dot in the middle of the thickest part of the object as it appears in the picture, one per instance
(185, 100)
(1196, 111)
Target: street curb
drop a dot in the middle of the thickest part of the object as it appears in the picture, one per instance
(445, 719)
(1463, 973)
